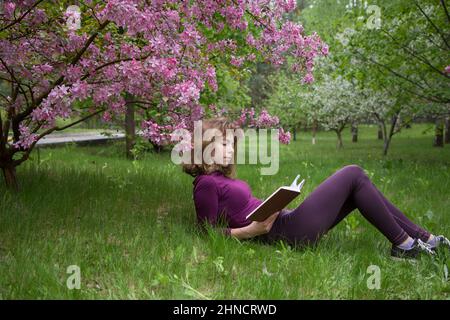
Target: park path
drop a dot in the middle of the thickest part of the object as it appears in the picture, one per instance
(84, 137)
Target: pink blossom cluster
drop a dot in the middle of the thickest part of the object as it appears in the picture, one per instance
(223, 45)
(42, 69)
(187, 92)
(26, 139)
(248, 118)
(215, 111)
(237, 61)
(284, 137)
(161, 134)
(211, 78)
(265, 120)
(57, 104)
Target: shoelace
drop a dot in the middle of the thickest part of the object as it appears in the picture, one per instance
(443, 240)
(425, 246)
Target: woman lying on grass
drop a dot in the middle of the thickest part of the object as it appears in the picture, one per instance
(218, 195)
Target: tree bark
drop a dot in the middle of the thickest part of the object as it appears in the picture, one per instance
(314, 131)
(339, 142)
(447, 130)
(9, 174)
(388, 136)
(398, 124)
(386, 144)
(130, 130)
(439, 133)
(380, 133)
(354, 130)
(156, 147)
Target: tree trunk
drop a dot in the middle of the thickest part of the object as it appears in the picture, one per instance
(295, 133)
(339, 142)
(398, 124)
(447, 130)
(130, 130)
(387, 142)
(156, 147)
(439, 133)
(354, 130)
(9, 174)
(314, 131)
(388, 136)
(380, 133)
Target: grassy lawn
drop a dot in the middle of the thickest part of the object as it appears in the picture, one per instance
(129, 226)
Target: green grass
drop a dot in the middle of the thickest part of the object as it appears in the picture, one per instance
(129, 226)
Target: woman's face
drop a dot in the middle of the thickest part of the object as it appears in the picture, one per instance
(225, 147)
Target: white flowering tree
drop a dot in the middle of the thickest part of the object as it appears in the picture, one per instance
(334, 103)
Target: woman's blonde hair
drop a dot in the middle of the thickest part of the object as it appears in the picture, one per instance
(222, 124)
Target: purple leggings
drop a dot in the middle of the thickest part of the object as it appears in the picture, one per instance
(347, 189)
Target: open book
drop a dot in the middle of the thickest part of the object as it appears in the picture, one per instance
(276, 201)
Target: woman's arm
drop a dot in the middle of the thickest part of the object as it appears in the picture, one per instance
(242, 233)
(255, 228)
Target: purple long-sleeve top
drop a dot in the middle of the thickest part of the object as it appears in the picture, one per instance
(217, 195)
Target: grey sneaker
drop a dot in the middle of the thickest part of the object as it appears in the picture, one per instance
(441, 242)
(419, 247)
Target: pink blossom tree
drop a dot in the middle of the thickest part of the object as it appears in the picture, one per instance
(57, 63)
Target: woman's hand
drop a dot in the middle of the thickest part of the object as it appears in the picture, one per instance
(261, 227)
(255, 228)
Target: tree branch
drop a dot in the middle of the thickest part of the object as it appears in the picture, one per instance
(114, 62)
(403, 124)
(253, 16)
(432, 23)
(445, 10)
(12, 76)
(412, 53)
(28, 151)
(22, 17)
(39, 99)
(428, 97)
